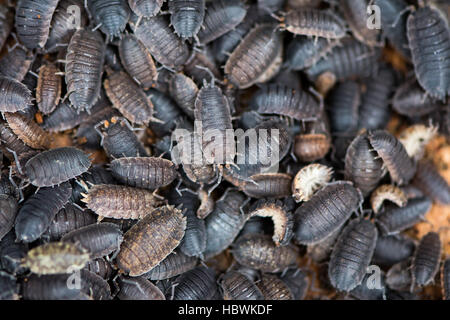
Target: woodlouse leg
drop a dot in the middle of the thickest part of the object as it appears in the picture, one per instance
(11, 179)
(241, 208)
(219, 180)
(16, 159)
(173, 290)
(96, 128)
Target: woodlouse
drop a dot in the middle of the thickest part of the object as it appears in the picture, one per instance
(8, 211)
(273, 288)
(39, 210)
(415, 138)
(16, 63)
(15, 95)
(120, 202)
(166, 111)
(151, 240)
(196, 284)
(98, 239)
(310, 179)
(352, 254)
(237, 286)
(326, 212)
(137, 60)
(100, 267)
(138, 288)
(48, 90)
(445, 279)
(187, 16)
(392, 249)
(429, 40)
(426, 259)
(258, 251)
(148, 173)
(84, 68)
(146, 8)
(6, 23)
(251, 58)
(28, 131)
(431, 183)
(401, 167)
(173, 265)
(51, 287)
(268, 185)
(355, 12)
(12, 254)
(387, 192)
(184, 91)
(55, 166)
(111, 15)
(33, 18)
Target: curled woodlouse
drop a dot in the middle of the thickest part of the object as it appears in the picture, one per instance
(137, 60)
(161, 230)
(48, 90)
(387, 192)
(164, 45)
(309, 179)
(429, 41)
(111, 15)
(56, 257)
(352, 254)
(285, 101)
(140, 172)
(33, 20)
(230, 13)
(146, 8)
(273, 288)
(394, 219)
(15, 95)
(415, 138)
(282, 218)
(445, 279)
(258, 251)
(400, 165)
(243, 67)
(314, 22)
(62, 26)
(55, 166)
(392, 249)
(187, 16)
(237, 286)
(28, 131)
(138, 288)
(426, 259)
(196, 284)
(84, 68)
(97, 239)
(120, 202)
(35, 216)
(128, 98)
(173, 265)
(16, 63)
(326, 212)
(431, 183)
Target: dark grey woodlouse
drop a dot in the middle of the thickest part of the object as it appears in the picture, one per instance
(230, 13)
(173, 265)
(401, 167)
(184, 91)
(64, 117)
(399, 276)
(362, 165)
(268, 185)
(166, 111)
(148, 173)
(50, 287)
(38, 211)
(285, 101)
(196, 284)
(98, 239)
(138, 288)
(15, 96)
(365, 291)
(194, 241)
(100, 267)
(187, 16)
(326, 212)
(253, 56)
(12, 254)
(258, 251)
(314, 22)
(297, 281)
(146, 8)
(445, 279)
(48, 90)
(429, 40)
(431, 183)
(33, 18)
(84, 68)
(6, 23)
(392, 249)
(164, 45)
(68, 219)
(355, 12)
(111, 15)
(237, 286)
(8, 210)
(394, 219)
(61, 29)
(343, 106)
(16, 63)
(55, 166)
(352, 254)
(137, 60)
(426, 259)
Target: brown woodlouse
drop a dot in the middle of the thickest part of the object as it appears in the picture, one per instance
(387, 192)
(258, 251)
(426, 259)
(151, 240)
(273, 288)
(28, 131)
(237, 286)
(120, 202)
(310, 179)
(48, 90)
